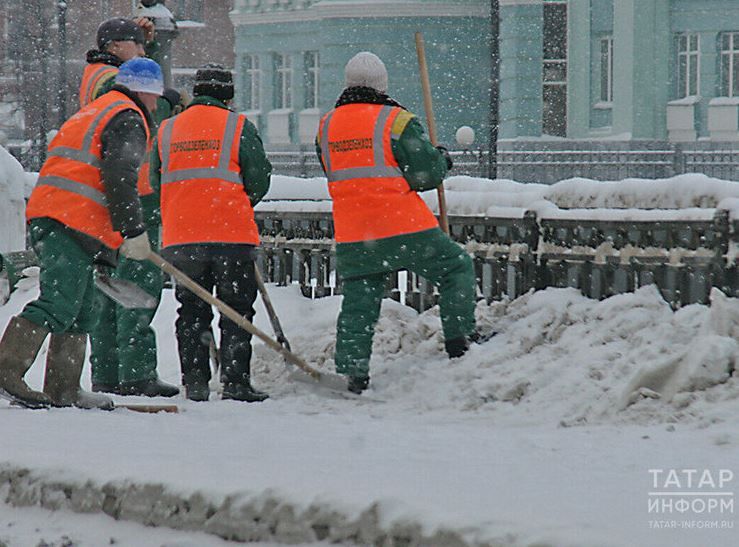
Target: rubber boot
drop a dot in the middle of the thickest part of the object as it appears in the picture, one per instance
(244, 392)
(236, 372)
(237, 385)
(357, 384)
(457, 347)
(148, 388)
(63, 371)
(18, 349)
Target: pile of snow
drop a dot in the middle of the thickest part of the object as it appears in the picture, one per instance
(558, 358)
(13, 181)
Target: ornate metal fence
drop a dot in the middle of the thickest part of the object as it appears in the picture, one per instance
(684, 259)
(512, 255)
(551, 161)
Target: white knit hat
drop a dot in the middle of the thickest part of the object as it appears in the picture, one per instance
(367, 70)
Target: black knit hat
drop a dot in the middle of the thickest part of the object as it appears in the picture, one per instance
(214, 81)
(119, 29)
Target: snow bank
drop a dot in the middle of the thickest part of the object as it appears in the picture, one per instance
(241, 517)
(558, 358)
(13, 181)
(684, 197)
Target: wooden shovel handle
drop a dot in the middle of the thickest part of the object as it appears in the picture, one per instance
(151, 409)
(231, 313)
(429, 107)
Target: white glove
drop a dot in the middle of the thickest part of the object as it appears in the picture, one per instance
(136, 248)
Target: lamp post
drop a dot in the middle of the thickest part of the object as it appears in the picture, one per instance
(62, 92)
(39, 94)
(494, 87)
(166, 31)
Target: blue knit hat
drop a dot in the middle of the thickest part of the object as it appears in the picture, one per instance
(142, 75)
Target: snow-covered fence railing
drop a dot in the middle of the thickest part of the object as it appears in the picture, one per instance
(584, 249)
(683, 254)
(684, 258)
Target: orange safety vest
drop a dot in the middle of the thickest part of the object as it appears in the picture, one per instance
(70, 186)
(371, 199)
(203, 199)
(92, 77)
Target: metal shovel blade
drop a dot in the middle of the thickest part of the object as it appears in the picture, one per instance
(334, 382)
(126, 293)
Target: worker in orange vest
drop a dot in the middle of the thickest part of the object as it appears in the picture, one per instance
(376, 158)
(118, 40)
(84, 208)
(212, 169)
(123, 347)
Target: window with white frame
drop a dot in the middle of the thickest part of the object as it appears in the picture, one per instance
(311, 79)
(252, 76)
(554, 92)
(283, 81)
(688, 64)
(730, 64)
(606, 69)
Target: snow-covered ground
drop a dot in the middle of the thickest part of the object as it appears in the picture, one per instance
(563, 430)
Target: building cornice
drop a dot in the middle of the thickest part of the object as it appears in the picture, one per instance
(351, 10)
(519, 2)
(271, 17)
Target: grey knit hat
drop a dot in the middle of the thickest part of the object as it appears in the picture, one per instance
(366, 69)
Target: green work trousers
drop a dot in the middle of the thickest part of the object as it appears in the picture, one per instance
(430, 254)
(67, 301)
(124, 345)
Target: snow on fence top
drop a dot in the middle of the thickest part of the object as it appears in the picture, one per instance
(684, 197)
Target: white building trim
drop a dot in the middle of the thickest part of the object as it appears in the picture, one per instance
(386, 8)
(519, 2)
(357, 10)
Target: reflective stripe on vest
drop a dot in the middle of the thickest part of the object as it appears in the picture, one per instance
(379, 170)
(90, 79)
(83, 154)
(70, 188)
(371, 198)
(222, 172)
(75, 187)
(203, 199)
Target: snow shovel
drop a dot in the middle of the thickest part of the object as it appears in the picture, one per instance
(297, 375)
(326, 379)
(127, 294)
(273, 319)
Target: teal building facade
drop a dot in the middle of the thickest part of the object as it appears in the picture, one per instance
(665, 70)
(597, 70)
(290, 58)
